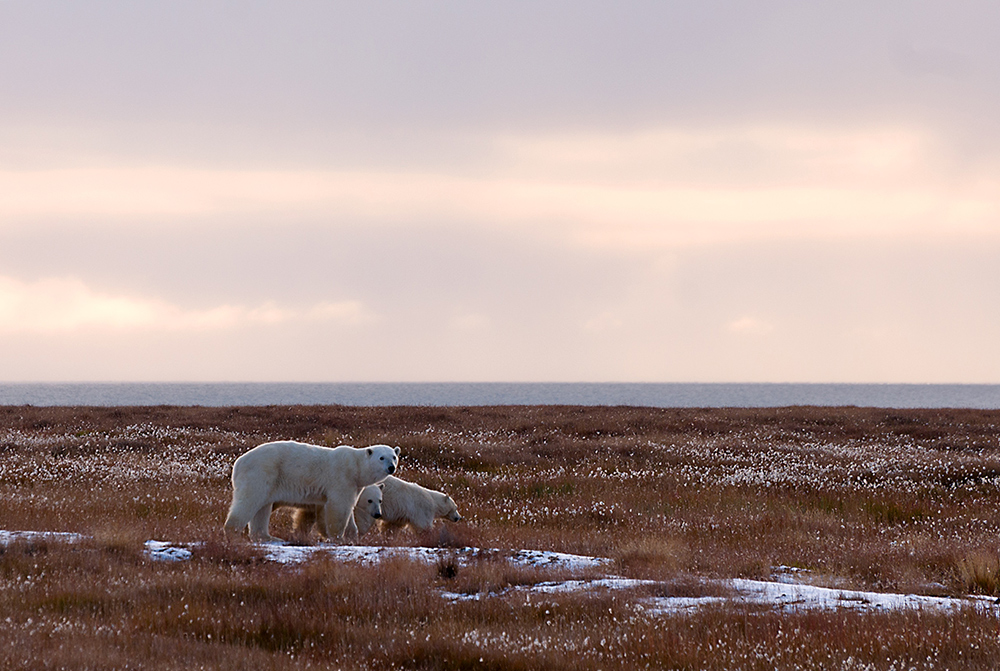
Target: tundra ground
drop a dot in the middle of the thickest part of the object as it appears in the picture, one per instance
(868, 499)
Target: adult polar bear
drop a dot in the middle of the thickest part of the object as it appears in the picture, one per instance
(292, 473)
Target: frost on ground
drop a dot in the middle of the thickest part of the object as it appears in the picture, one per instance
(786, 593)
(8, 537)
(164, 551)
(780, 595)
(371, 554)
(794, 597)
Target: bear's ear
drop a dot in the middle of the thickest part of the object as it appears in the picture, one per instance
(369, 451)
(397, 451)
(381, 485)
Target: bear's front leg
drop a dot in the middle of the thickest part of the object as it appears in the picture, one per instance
(260, 525)
(336, 518)
(352, 528)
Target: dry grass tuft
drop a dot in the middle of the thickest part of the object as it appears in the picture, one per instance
(979, 573)
(230, 553)
(447, 568)
(494, 574)
(446, 535)
(654, 558)
(120, 540)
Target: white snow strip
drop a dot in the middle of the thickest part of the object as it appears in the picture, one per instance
(8, 537)
(369, 554)
(165, 551)
(791, 597)
(564, 586)
(784, 594)
(458, 596)
(364, 554)
(613, 582)
(546, 559)
(779, 595)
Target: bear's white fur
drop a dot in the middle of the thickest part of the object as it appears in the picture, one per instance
(292, 473)
(408, 504)
(369, 503)
(403, 504)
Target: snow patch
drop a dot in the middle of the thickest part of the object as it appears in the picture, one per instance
(370, 554)
(797, 597)
(164, 551)
(8, 537)
(787, 592)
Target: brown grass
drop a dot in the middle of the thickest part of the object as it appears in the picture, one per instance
(862, 498)
(979, 572)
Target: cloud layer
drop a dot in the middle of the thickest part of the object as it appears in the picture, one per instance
(67, 305)
(704, 191)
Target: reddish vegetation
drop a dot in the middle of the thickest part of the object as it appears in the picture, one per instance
(900, 500)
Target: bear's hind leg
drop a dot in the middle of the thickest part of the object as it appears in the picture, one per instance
(234, 525)
(239, 516)
(421, 520)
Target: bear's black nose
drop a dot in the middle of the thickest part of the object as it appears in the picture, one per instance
(377, 515)
(392, 469)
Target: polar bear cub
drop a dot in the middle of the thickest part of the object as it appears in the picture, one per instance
(408, 504)
(369, 505)
(293, 473)
(403, 503)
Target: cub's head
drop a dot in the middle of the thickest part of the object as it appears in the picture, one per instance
(383, 460)
(447, 509)
(371, 500)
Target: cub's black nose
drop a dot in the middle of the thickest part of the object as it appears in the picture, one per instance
(377, 515)
(392, 469)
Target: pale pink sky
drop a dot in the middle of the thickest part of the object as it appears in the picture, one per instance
(538, 191)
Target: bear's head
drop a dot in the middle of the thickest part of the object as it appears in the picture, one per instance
(382, 460)
(371, 500)
(447, 509)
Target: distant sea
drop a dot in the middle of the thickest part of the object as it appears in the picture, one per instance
(666, 395)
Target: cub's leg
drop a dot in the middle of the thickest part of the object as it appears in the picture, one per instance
(304, 518)
(307, 516)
